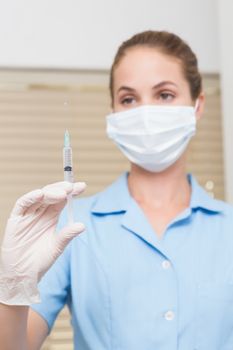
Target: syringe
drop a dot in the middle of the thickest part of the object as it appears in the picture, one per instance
(68, 173)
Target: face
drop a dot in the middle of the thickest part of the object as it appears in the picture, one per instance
(146, 76)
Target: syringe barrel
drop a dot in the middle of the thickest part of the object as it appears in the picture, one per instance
(68, 176)
(67, 157)
(68, 164)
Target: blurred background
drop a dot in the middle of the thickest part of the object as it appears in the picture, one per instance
(54, 70)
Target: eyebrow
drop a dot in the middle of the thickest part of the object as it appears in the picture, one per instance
(157, 86)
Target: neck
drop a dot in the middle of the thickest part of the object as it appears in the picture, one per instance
(170, 187)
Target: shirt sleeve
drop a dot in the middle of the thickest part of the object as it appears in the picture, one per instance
(54, 286)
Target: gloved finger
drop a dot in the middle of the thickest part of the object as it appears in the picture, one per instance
(33, 208)
(50, 194)
(33, 200)
(57, 197)
(78, 187)
(26, 201)
(63, 185)
(57, 193)
(54, 193)
(67, 234)
(70, 187)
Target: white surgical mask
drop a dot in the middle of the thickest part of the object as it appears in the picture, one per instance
(153, 137)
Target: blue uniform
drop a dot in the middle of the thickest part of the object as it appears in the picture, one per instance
(127, 289)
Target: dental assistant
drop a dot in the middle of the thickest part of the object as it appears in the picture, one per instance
(153, 268)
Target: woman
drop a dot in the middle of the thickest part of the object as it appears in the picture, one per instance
(154, 267)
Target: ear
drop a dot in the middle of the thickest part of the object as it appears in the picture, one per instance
(200, 105)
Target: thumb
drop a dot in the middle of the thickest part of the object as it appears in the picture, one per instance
(67, 234)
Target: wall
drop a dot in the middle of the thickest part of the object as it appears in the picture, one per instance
(85, 34)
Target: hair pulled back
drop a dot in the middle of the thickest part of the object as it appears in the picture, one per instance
(169, 44)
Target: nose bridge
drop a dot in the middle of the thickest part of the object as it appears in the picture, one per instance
(146, 97)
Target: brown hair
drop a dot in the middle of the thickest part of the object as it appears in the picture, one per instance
(169, 44)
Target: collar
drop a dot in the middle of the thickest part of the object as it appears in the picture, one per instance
(116, 197)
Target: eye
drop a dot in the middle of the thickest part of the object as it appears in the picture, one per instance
(166, 96)
(127, 100)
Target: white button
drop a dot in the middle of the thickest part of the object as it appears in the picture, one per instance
(169, 315)
(166, 264)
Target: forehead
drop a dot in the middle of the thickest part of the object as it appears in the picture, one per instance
(145, 65)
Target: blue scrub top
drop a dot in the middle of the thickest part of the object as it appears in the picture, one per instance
(127, 289)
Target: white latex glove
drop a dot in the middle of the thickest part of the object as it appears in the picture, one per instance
(30, 245)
